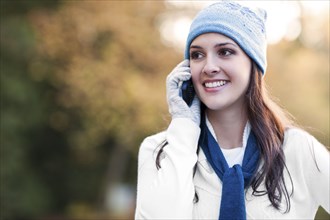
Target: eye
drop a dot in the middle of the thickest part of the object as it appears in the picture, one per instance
(226, 52)
(194, 55)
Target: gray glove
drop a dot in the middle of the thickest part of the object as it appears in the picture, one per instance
(178, 108)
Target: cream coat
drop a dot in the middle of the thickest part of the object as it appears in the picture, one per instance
(168, 193)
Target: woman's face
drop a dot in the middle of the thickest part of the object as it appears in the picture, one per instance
(220, 71)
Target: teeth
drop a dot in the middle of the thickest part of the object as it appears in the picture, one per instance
(215, 84)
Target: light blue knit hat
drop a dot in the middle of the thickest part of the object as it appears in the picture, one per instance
(242, 24)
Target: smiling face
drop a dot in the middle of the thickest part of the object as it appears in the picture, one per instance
(220, 72)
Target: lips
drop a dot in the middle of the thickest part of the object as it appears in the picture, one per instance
(215, 84)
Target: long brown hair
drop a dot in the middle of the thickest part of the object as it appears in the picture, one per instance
(268, 122)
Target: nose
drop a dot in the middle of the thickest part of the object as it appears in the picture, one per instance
(211, 66)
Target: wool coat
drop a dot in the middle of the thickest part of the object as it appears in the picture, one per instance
(169, 192)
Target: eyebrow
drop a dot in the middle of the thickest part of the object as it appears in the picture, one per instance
(217, 45)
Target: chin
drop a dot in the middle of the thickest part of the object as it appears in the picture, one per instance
(214, 106)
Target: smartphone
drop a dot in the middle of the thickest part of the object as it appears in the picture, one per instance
(188, 92)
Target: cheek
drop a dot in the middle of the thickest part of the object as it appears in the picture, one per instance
(243, 68)
(245, 83)
(248, 74)
(195, 72)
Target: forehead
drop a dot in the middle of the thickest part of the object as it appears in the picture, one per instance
(212, 38)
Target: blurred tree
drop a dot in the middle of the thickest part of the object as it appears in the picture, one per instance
(24, 193)
(90, 75)
(298, 75)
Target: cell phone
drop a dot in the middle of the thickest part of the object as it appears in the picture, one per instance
(188, 92)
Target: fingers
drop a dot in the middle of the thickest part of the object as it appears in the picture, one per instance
(182, 70)
(178, 76)
(180, 73)
(184, 63)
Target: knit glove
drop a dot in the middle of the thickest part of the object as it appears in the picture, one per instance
(178, 108)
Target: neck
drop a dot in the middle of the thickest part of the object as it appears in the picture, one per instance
(228, 127)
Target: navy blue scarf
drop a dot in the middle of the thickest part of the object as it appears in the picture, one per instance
(234, 179)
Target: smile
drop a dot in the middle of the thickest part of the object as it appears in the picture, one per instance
(215, 84)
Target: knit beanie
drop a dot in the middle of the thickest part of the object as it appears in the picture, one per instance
(242, 24)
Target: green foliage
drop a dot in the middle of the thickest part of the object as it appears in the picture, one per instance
(75, 89)
(19, 7)
(21, 113)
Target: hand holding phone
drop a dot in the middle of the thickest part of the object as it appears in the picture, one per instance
(180, 94)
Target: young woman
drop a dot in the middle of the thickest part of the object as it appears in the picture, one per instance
(233, 153)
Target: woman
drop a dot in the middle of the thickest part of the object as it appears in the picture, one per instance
(232, 154)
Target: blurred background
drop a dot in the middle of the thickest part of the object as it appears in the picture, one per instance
(83, 83)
